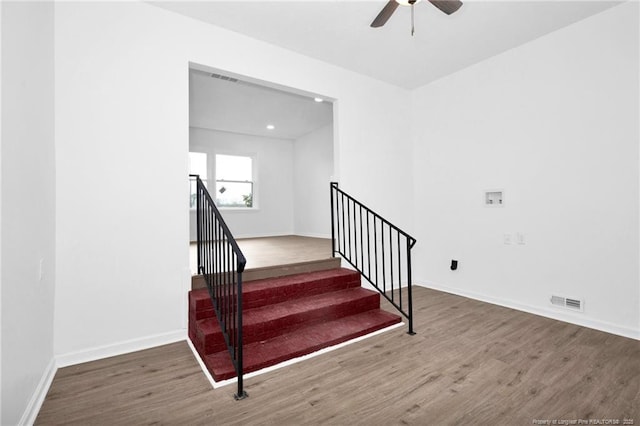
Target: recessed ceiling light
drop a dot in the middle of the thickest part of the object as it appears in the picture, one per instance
(318, 99)
(270, 127)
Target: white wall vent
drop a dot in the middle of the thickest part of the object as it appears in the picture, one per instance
(224, 77)
(568, 303)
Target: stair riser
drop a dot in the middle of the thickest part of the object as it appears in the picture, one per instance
(202, 314)
(199, 299)
(271, 296)
(203, 349)
(210, 339)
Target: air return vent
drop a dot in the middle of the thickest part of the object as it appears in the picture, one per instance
(568, 303)
(224, 77)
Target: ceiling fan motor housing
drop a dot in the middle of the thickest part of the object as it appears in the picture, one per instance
(446, 6)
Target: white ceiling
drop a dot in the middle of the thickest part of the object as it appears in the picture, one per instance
(246, 108)
(338, 32)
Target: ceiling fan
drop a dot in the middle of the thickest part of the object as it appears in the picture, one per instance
(447, 6)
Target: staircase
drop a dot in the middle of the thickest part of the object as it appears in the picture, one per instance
(287, 317)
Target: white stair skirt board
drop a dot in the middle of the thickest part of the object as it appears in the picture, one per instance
(292, 361)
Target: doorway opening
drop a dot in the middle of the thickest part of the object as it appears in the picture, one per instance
(266, 154)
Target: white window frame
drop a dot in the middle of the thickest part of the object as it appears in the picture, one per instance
(205, 181)
(254, 174)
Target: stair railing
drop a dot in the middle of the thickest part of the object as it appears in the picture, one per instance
(221, 263)
(378, 249)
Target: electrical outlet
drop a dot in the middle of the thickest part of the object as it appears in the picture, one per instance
(506, 238)
(40, 269)
(520, 238)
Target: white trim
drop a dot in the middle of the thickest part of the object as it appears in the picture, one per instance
(203, 367)
(120, 348)
(313, 235)
(289, 362)
(40, 393)
(536, 310)
(260, 235)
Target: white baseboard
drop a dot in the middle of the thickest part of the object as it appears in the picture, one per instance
(261, 235)
(65, 360)
(120, 348)
(539, 310)
(33, 408)
(313, 235)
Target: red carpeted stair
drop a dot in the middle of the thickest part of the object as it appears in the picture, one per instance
(288, 317)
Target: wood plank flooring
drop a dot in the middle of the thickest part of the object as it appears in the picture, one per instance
(470, 363)
(272, 251)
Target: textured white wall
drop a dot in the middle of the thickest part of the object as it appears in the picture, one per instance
(555, 124)
(273, 183)
(313, 167)
(122, 138)
(28, 206)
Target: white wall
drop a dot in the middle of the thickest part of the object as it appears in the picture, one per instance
(273, 187)
(122, 138)
(555, 124)
(313, 168)
(1, 102)
(28, 207)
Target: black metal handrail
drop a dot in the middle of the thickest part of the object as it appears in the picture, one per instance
(378, 249)
(221, 263)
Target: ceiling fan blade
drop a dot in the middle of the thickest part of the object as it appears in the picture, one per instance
(385, 14)
(447, 6)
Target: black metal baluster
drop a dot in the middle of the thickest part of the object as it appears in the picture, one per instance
(228, 285)
(375, 246)
(333, 222)
(409, 287)
(384, 272)
(391, 264)
(344, 230)
(368, 248)
(361, 241)
(349, 224)
(240, 394)
(355, 235)
(399, 269)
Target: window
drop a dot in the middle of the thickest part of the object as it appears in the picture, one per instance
(234, 181)
(197, 166)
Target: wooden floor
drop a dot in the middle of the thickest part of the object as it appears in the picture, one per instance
(470, 363)
(272, 251)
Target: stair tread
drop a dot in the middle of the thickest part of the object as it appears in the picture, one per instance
(299, 278)
(300, 342)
